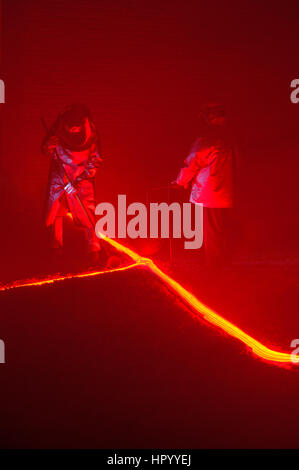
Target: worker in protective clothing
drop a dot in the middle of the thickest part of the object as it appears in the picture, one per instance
(74, 147)
(209, 170)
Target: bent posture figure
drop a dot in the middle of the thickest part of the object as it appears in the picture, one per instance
(209, 169)
(74, 148)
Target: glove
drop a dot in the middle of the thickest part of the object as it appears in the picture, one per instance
(70, 189)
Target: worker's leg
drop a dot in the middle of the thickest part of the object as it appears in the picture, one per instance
(94, 244)
(215, 230)
(57, 234)
(97, 254)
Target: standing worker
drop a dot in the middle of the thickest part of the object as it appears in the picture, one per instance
(209, 169)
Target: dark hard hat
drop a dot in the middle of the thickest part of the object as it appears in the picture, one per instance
(75, 114)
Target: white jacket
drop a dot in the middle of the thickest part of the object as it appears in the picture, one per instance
(209, 167)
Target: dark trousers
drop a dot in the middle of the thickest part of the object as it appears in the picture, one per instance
(217, 228)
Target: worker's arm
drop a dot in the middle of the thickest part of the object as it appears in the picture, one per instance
(94, 162)
(196, 160)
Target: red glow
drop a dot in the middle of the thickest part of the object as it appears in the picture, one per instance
(51, 280)
(200, 310)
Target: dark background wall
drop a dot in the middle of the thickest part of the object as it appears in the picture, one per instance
(144, 68)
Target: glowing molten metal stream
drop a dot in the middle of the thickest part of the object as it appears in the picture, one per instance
(200, 310)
